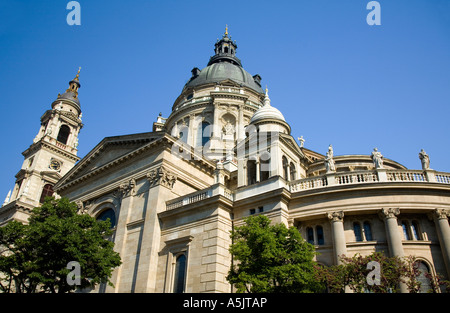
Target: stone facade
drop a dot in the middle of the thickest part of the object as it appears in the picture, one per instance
(226, 153)
(51, 155)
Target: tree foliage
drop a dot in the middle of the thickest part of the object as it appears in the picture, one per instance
(353, 273)
(34, 257)
(271, 258)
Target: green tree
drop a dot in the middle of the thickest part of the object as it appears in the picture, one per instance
(353, 273)
(34, 257)
(392, 271)
(271, 258)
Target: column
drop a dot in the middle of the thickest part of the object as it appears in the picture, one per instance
(393, 235)
(443, 230)
(337, 229)
(192, 131)
(240, 124)
(242, 172)
(258, 170)
(275, 161)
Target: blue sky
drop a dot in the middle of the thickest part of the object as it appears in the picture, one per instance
(336, 79)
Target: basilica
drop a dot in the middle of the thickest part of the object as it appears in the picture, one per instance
(225, 152)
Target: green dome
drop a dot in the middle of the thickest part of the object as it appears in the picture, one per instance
(224, 65)
(218, 72)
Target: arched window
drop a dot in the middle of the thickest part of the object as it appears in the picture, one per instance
(251, 172)
(424, 277)
(415, 231)
(292, 171)
(63, 134)
(310, 235)
(320, 238)
(108, 214)
(357, 231)
(405, 230)
(264, 166)
(367, 231)
(285, 168)
(206, 133)
(47, 191)
(183, 133)
(180, 274)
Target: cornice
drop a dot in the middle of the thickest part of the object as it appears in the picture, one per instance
(228, 95)
(66, 181)
(42, 144)
(165, 142)
(187, 109)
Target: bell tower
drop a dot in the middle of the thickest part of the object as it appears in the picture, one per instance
(51, 155)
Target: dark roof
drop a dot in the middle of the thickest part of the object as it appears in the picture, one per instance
(70, 96)
(224, 65)
(217, 72)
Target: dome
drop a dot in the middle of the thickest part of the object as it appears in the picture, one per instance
(72, 92)
(220, 71)
(267, 112)
(224, 65)
(69, 95)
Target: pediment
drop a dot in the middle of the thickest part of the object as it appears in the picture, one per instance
(229, 82)
(109, 150)
(109, 153)
(52, 176)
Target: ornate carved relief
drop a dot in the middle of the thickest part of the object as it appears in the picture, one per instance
(80, 207)
(161, 176)
(129, 188)
(337, 216)
(441, 213)
(389, 212)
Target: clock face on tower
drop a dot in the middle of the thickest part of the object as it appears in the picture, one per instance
(55, 165)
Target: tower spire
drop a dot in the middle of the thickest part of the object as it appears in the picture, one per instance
(74, 84)
(266, 101)
(226, 29)
(77, 77)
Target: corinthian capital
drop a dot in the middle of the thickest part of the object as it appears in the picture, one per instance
(441, 213)
(336, 216)
(390, 212)
(161, 176)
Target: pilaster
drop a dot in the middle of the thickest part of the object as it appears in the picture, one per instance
(161, 182)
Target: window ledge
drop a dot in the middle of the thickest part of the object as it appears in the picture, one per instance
(365, 243)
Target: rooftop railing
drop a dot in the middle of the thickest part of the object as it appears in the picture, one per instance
(197, 196)
(374, 176)
(327, 180)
